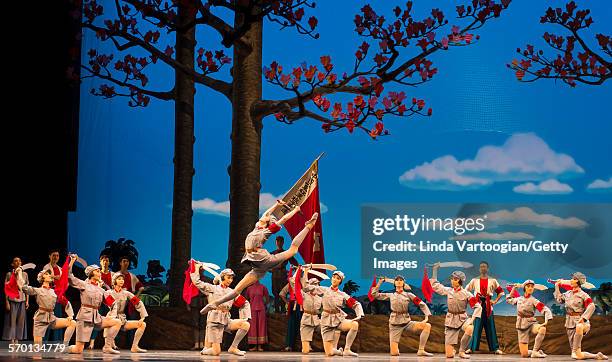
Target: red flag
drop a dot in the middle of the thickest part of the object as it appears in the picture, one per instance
(61, 285)
(298, 287)
(189, 290)
(426, 286)
(514, 294)
(370, 296)
(305, 193)
(10, 288)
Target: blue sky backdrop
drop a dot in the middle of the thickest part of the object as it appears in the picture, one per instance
(555, 137)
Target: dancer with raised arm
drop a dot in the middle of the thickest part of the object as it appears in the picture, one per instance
(121, 297)
(399, 320)
(219, 319)
(46, 300)
(311, 302)
(579, 308)
(457, 300)
(88, 318)
(333, 318)
(260, 260)
(526, 323)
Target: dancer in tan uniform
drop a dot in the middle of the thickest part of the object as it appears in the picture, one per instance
(88, 318)
(260, 260)
(219, 319)
(579, 308)
(121, 297)
(526, 323)
(333, 318)
(457, 300)
(399, 320)
(312, 309)
(46, 300)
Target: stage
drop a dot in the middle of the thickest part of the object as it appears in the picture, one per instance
(168, 355)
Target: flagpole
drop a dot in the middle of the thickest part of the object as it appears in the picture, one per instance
(314, 244)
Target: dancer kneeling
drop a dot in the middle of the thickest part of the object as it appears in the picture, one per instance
(121, 297)
(399, 320)
(46, 300)
(260, 260)
(88, 318)
(526, 322)
(218, 320)
(333, 318)
(456, 319)
(579, 308)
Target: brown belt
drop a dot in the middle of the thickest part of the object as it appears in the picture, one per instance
(456, 313)
(313, 312)
(399, 312)
(331, 311)
(524, 315)
(46, 310)
(90, 306)
(574, 314)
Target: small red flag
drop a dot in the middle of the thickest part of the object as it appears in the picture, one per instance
(189, 290)
(10, 288)
(61, 285)
(426, 286)
(370, 296)
(298, 287)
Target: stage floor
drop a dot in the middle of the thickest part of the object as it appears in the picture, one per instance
(159, 355)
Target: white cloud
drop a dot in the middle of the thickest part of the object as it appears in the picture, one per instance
(600, 185)
(526, 216)
(494, 236)
(222, 208)
(210, 206)
(548, 187)
(523, 157)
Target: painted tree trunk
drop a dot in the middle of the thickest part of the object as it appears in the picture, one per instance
(182, 211)
(246, 144)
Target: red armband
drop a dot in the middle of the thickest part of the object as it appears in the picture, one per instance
(540, 306)
(499, 290)
(135, 300)
(351, 302)
(109, 300)
(473, 301)
(239, 301)
(587, 302)
(417, 301)
(274, 228)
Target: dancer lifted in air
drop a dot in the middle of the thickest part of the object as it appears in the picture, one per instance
(258, 257)
(399, 320)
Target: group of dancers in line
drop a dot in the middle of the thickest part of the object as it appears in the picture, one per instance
(322, 305)
(95, 292)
